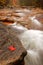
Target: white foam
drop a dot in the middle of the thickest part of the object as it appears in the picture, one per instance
(32, 39)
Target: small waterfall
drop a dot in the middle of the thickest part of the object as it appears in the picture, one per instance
(32, 40)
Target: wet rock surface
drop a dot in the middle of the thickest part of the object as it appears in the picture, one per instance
(31, 19)
(11, 49)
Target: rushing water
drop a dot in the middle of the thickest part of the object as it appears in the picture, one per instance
(35, 20)
(32, 40)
